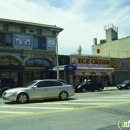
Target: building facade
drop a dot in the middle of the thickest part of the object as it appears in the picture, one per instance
(117, 49)
(112, 46)
(27, 50)
(121, 69)
(91, 68)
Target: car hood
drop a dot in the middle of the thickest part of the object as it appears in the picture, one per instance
(16, 89)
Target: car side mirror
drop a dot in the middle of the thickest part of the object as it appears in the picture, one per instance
(35, 86)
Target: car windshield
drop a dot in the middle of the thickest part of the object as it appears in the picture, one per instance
(84, 82)
(126, 81)
(28, 85)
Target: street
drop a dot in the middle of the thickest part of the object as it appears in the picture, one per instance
(84, 111)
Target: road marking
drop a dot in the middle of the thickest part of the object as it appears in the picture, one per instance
(63, 110)
(14, 112)
(77, 103)
(119, 97)
(21, 107)
(114, 100)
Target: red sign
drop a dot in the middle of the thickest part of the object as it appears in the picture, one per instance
(98, 50)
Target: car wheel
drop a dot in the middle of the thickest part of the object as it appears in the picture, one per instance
(3, 92)
(84, 90)
(128, 87)
(100, 89)
(22, 98)
(120, 88)
(63, 95)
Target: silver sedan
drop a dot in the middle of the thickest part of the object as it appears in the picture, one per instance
(38, 90)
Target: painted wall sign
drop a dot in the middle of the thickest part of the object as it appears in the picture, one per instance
(120, 63)
(24, 40)
(51, 42)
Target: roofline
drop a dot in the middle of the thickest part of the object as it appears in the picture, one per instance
(52, 27)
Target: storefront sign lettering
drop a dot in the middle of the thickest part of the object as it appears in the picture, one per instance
(92, 61)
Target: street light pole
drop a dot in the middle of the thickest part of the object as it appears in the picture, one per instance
(57, 58)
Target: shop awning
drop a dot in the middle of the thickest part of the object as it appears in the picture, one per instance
(64, 68)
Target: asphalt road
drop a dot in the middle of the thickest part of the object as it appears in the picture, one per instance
(84, 111)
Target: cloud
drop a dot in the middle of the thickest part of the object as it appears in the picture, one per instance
(82, 20)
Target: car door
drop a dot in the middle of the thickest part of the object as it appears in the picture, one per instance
(96, 85)
(39, 91)
(54, 88)
(89, 85)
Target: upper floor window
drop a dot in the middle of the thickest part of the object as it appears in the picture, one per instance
(39, 43)
(6, 39)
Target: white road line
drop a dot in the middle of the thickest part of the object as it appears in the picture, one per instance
(98, 100)
(26, 107)
(33, 107)
(14, 112)
(78, 103)
(127, 97)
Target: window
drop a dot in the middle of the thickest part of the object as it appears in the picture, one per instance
(6, 39)
(39, 43)
(54, 83)
(42, 84)
(8, 61)
(38, 62)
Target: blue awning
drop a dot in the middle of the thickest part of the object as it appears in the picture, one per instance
(64, 68)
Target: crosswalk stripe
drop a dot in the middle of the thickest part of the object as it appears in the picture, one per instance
(33, 107)
(14, 112)
(111, 100)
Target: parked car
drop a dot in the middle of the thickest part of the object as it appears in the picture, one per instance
(6, 83)
(62, 80)
(90, 86)
(124, 85)
(38, 90)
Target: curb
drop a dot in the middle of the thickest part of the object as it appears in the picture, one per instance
(110, 88)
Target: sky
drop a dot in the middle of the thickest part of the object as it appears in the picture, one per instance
(82, 20)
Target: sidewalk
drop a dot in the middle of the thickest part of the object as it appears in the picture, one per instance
(110, 88)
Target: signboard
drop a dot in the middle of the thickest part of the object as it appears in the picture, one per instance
(90, 61)
(120, 64)
(24, 40)
(98, 51)
(51, 42)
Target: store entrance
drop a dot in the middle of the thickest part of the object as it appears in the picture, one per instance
(79, 79)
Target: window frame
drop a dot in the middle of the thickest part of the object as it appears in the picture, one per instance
(3, 39)
(40, 42)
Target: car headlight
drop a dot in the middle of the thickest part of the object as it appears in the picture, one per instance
(79, 86)
(10, 93)
(123, 85)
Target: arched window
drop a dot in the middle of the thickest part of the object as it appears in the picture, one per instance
(9, 61)
(38, 62)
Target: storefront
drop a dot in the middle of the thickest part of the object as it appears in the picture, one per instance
(11, 67)
(91, 68)
(36, 68)
(64, 72)
(122, 69)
